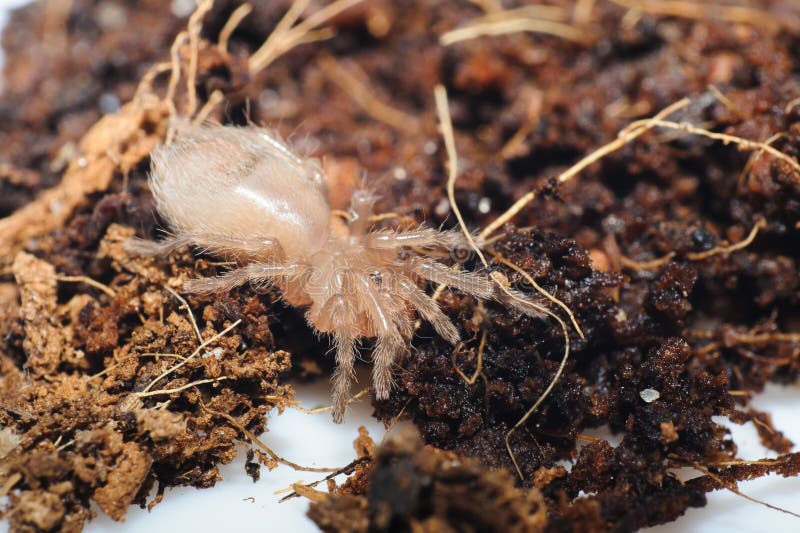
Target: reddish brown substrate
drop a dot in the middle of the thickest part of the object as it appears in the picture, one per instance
(73, 356)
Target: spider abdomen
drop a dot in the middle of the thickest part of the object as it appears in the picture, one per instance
(241, 184)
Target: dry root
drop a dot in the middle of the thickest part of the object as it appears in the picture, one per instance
(499, 279)
(118, 143)
(700, 10)
(546, 20)
(352, 81)
(631, 133)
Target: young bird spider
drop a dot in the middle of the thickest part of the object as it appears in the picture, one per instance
(241, 193)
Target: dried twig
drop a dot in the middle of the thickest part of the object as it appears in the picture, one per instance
(535, 18)
(626, 136)
(12, 480)
(181, 388)
(744, 144)
(732, 339)
(504, 27)
(446, 126)
(478, 366)
(732, 487)
(230, 26)
(347, 470)
(88, 281)
(556, 377)
(500, 280)
(212, 102)
(194, 26)
(655, 264)
(582, 13)
(194, 354)
(327, 408)
(287, 34)
(630, 133)
(255, 440)
(349, 80)
(185, 305)
(701, 10)
(498, 257)
(699, 256)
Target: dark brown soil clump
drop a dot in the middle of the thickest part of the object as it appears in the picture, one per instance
(410, 487)
(641, 246)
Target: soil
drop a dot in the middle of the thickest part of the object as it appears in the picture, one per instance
(100, 399)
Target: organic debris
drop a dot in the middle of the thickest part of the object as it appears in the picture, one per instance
(631, 165)
(411, 487)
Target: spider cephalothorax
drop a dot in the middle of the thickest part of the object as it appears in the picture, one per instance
(244, 194)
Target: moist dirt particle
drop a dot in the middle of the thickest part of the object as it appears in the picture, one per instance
(675, 253)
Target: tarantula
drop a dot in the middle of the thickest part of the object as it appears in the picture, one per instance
(242, 193)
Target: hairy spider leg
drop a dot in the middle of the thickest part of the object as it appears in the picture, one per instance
(422, 238)
(161, 248)
(469, 282)
(384, 315)
(428, 310)
(260, 273)
(232, 247)
(341, 319)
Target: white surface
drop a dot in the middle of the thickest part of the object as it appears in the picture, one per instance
(309, 440)
(314, 440)
(5, 7)
(728, 512)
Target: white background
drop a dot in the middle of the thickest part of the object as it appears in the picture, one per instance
(237, 503)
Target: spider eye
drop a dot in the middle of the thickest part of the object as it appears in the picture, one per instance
(377, 278)
(461, 254)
